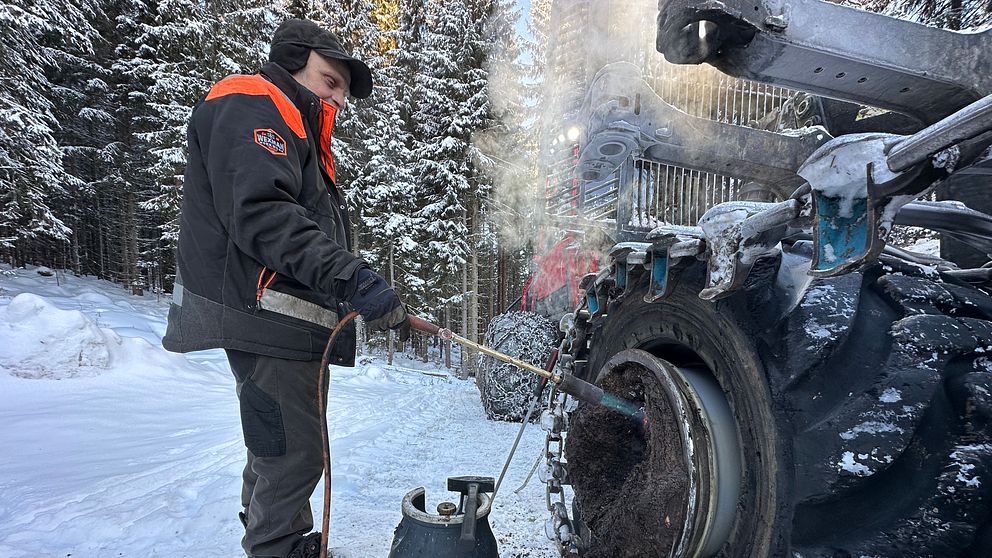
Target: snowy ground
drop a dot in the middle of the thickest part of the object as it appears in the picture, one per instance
(114, 447)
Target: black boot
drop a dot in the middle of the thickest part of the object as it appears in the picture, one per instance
(308, 547)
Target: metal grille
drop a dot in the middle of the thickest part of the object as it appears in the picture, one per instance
(705, 92)
(661, 193)
(562, 192)
(599, 200)
(657, 192)
(595, 201)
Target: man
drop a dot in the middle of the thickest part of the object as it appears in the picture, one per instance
(265, 269)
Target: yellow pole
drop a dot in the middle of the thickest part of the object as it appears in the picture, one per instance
(445, 333)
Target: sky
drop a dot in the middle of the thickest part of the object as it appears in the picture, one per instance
(524, 13)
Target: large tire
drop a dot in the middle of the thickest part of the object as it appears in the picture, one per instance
(863, 409)
(505, 389)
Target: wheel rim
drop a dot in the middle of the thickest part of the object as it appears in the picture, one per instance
(696, 418)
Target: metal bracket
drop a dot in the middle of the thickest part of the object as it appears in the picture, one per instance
(602, 288)
(832, 50)
(670, 245)
(586, 285)
(855, 199)
(596, 287)
(737, 235)
(627, 259)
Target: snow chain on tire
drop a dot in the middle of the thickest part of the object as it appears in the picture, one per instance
(504, 389)
(560, 527)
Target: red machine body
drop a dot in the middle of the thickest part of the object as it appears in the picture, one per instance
(553, 288)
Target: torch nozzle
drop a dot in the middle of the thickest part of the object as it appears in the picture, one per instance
(580, 389)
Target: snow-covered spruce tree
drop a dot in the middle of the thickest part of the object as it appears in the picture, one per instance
(454, 104)
(127, 233)
(442, 164)
(239, 32)
(406, 63)
(506, 165)
(499, 143)
(507, 145)
(32, 176)
(522, 191)
(303, 9)
(385, 191)
(82, 95)
(370, 135)
(189, 46)
(515, 211)
(392, 227)
(519, 188)
(375, 136)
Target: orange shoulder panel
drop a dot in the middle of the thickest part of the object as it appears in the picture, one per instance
(257, 85)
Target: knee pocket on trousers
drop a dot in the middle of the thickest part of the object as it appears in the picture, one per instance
(261, 421)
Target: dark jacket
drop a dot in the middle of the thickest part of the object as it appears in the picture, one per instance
(264, 252)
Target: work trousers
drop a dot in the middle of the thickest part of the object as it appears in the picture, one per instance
(281, 425)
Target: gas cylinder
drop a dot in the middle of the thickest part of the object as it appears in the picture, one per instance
(452, 532)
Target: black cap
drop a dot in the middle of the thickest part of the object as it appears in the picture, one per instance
(295, 38)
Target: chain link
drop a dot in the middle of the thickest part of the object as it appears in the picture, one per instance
(554, 474)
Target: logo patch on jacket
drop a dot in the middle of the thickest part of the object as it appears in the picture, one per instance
(270, 140)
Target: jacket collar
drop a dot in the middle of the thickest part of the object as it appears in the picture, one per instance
(306, 102)
(319, 115)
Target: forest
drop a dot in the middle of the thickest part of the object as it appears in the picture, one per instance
(97, 94)
(440, 165)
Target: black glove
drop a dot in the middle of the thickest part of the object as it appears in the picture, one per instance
(379, 304)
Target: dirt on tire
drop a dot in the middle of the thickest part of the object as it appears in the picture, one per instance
(634, 484)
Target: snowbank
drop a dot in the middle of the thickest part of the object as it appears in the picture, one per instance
(41, 341)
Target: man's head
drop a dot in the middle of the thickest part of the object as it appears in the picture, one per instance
(327, 78)
(317, 60)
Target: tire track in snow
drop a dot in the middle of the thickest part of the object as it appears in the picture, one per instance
(389, 418)
(422, 435)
